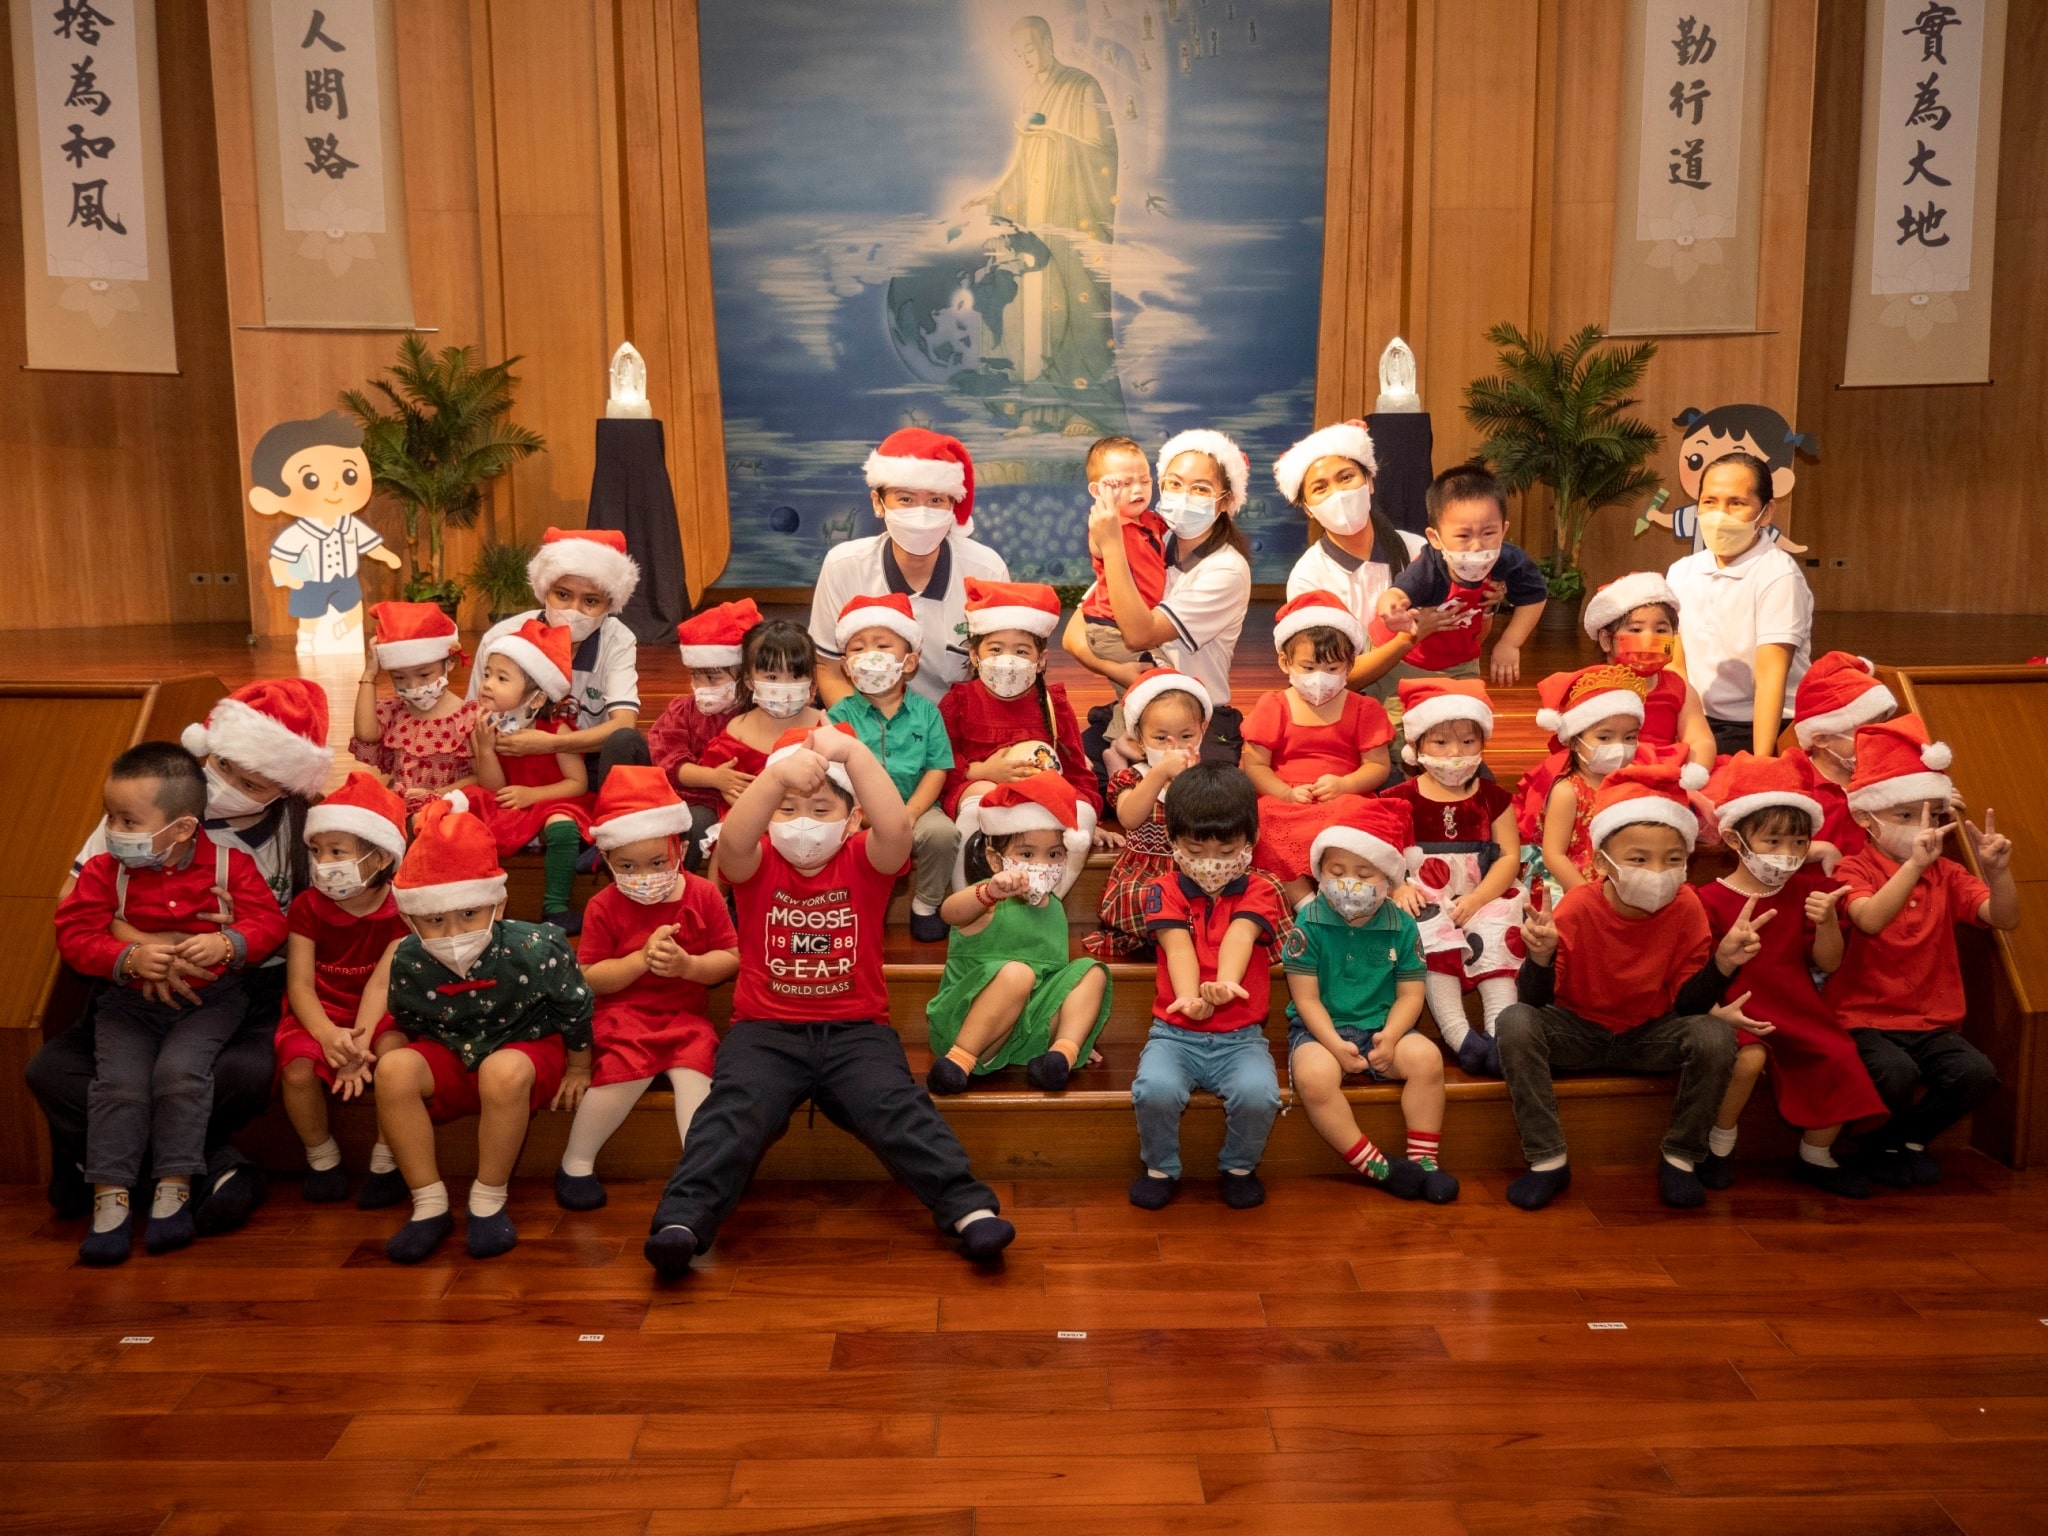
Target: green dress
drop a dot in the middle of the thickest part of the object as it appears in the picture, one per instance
(1016, 931)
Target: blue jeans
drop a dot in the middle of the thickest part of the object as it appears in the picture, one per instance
(1236, 1066)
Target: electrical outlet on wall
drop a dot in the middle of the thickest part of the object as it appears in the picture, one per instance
(202, 578)
(225, 578)
(1839, 563)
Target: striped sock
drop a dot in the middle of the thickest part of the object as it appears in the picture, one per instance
(1367, 1159)
(1422, 1147)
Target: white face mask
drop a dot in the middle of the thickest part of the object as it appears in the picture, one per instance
(1316, 688)
(1469, 566)
(1451, 772)
(1725, 534)
(1044, 878)
(339, 882)
(581, 626)
(650, 889)
(920, 530)
(1007, 677)
(138, 850)
(1647, 890)
(459, 951)
(1213, 873)
(874, 671)
(1845, 761)
(1188, 516)
(511, 721)
(1354, 897)
(1771, 869)
(228, 803)
(1344, 512)
(717, 698)
(783, 700)
(426, 696)
(1895, 841)
(804, 842)
(1607, 757)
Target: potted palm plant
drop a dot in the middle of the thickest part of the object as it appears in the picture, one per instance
(446, 436)
(1557, 416)
(498, 576)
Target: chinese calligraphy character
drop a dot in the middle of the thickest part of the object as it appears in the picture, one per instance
(315, 35)
(1927, 107)
(1693, 49)
(1931, 24)
(85, 91)
(1687, 169)
(1918, 226)
(1696, 99)
(78, 146)
(1919, 171)
(79, 21)
(327, 91)
(327, 158)
(89, 208)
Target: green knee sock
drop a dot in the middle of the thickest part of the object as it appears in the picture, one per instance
(559, 845)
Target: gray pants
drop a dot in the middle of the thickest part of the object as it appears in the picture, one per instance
(934, 845)
(152, 1086)
(1537, 1042)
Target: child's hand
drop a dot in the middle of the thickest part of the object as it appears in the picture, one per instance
(483, 741)
(800, 772)
(575, 1083)
(206, 950)
(1732, 1012)
(1742, 942)
(1506, 667)
(1381, 1057)
(527, 743)
(731, 782)
(1465, 908)
(340, 1048)
(1329, 786)
(1173, 764)
(1409, 898)
(350, 1083)
(1539, 935)
(664, 956)
(1428, 621)
(1193, 1009)
(1219, 994)
(1104, 529)
(1927, 841)
(1008, 768)
(833, 744)
(1009, 881)
(1302, 794)
(1349, 1056)
(1822, 907)
(1993, 849)
(1106, 839)
(518, 797)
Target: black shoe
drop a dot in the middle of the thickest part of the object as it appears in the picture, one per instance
(1716, 1171)
(1242, 1191)
(489, 1236)
(381, 1191)
(1889, 1166)
(574, 1193)
(228, 1203)
(1403, 1179)
(946, 1076)
(571, 923)
(1846, 1182)
(1533, 1190)
(1150, 1194)
(1048, 1073)
(69, 1195)
(1438, 1187)
(167, 1234)
(110, 1247)
(928, 928)
(1479, 1055)
(417, 1239)
(324, 1186)
(1925, 1169)
(1679, 1187)
(983, 1241)
(670, 1251)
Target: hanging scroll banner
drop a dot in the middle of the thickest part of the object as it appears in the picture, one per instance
(329, 164)
(96, 258)
(1688, 196)
(1927, 193)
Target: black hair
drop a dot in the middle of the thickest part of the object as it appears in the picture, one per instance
(774, 645)
(1212, 801)
(1759, 423)
(1774, 821)
(1187, 700)
(1330, 644)
(1045, 710)
(1759, 473)
(180, 781)
(1105, 445)
(1670, 614)
(975, 853)
(274, 449)
(1388, 547)
(1471, 481)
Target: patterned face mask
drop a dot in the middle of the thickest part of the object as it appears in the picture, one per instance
(1451, 772)
(875, 671)
(1213, 872)
(649, 889)
(1354, 897)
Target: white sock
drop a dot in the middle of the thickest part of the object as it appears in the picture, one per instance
(1721, 1143)
(691, 1089)
(1496, 995)
(325, 1156)
(488, 1199)
(1820, 1157)
(429, 1201)
(1682, 1164)
(170, 1199)
(1446, 996)
(1916, 1146)
(602, 1112)
(972, 1217)
(109, 1209)
(1548, 1165)
(225, 1177)
(381, 1160)
(1154, 1173)
(922, 907)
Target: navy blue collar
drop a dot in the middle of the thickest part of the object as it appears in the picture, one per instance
(1194, 892)
(942, 570)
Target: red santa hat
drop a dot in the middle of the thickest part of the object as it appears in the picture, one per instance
(595, 554)
(1317, 610)
(1572, 703)
(1652, 793)
(1026, 605)
(1043, 802)
(363, 808)
(542, 651)
(1622, 597)
(1744, 785)
(1160, 680)
(915, 459)
(1839, 693)
(1896, 764)
(1378, 831)
(452, 863)
(713, 638)
(637, 803)
(413, 634)
(275, 728)
(799, 740)
(890, 611)
(1237, 470)
(1345, 440)
(1427, 702)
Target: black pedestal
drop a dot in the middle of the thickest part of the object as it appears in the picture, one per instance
(630, 491)
(1402, 442)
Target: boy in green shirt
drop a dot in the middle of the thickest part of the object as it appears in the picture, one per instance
(878, 639)
(1355, 982)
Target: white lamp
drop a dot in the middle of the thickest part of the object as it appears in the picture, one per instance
(629, 384)
(1397, 379)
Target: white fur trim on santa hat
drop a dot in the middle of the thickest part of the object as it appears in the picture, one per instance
(639, 826)
(1237, 470)
(1646, 810)
(836, 772)
(1873, 704)
(617, 574)
(1033, 621)
(254, 742)
(415, 653)
(531, 660)
(1908, 788)
(1339, 619)
(1589, 712)
(880, 616)
(710, 655)
(945, 476)
(418, 900)
(1729, 812)
(1622, 597)
(1345, 440)
(1431, 713)
(1138, 698)
(358, 821)
(1383, 856)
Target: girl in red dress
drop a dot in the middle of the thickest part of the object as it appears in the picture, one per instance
(1462, 865)
(1169, 713)
(1768, 815)
(1313, 748)
(710, 643)
(418, 739)
(778, 684)
(1595, 717)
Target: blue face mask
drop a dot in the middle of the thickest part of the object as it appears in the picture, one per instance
(138, 850)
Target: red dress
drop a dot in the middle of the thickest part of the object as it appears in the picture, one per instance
(1301, 754)
(1145, 856)
(346, 950)
(1444, 864)
(1815, 1070)
(679, 739)
(659, 1021)
(513, 830)
(419, 756)
(1659, 729)
(980, 725)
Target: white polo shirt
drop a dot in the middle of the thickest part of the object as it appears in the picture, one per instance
(1323, 567)
(1726, 612)
(606, 668)
(867, 568)
(1206, 605)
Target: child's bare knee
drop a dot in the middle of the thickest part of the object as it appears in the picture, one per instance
(1418, 1060)
(404, 1071)
(298, 1073)
(1016, 976)
(1749, 1062)
(505, 1076)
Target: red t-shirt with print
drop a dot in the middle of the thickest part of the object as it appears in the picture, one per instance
(811, 944)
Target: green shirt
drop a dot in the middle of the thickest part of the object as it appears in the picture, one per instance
(526, 985)
(909, 745)
(1355, 968)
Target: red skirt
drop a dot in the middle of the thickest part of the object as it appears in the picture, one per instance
(513, 830)
(1287, 831)
(634, 1040)
(1816, 1073)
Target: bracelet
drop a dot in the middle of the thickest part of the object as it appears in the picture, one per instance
(981, 895)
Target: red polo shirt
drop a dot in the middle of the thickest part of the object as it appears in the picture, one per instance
(1174, 901)
(1906, 976)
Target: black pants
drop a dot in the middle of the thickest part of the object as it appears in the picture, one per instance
(856, 1074)
(60, 1076)
(1958, 1076)
(1733, 736)
(619, 748)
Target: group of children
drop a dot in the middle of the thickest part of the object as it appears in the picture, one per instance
(1356, 838)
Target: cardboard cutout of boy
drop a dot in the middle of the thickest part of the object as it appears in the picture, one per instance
(316, 473)
(1705, 437)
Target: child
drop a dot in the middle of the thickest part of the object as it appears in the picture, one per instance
(1314, 747)
(1217, 922)
(1625, 977)
(1767, 816)
(1595, 716)
(152, 1085)
(340, 929)
(878, 640)
(1467, 559)
(1009, 993)
(316, 472)
(653, 942)
(497, 1020)
(521, 798)
(1120, 479)
(811, 1007)
(1464, 859)
(419, 738)
(1838, 695)
(1169, 713)
(1355, 987)
(710, 644)
(1634, 621)
(777, 692)
(1901, 993)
